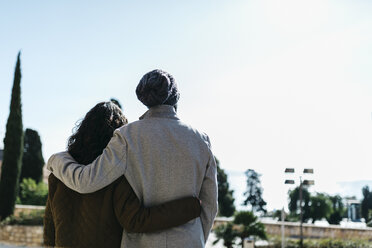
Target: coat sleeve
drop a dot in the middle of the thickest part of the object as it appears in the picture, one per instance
(135, 218)
(49, 229)
(108, 167)
(209, 195)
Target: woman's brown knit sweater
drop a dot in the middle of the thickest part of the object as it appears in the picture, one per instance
(97, 219)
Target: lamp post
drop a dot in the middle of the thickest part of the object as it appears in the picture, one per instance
(287, 181)
(283, 218)
(302, 183)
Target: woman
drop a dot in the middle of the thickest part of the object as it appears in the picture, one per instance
(97, 219)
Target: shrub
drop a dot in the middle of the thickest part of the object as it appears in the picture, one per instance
(245, 225)
(32, 193)
(227, 233)
(35, 218)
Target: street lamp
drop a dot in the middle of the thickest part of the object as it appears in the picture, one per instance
(302, 183)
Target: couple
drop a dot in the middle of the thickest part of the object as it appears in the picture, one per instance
(147, 178)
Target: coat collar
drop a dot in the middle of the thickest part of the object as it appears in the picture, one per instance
(160, 111)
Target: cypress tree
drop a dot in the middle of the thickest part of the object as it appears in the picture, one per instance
(366, 204)
(254, 192)
(33, 161)
(13, 149)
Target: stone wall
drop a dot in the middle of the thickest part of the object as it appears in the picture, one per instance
(32, 236)
(317, 232)
(22, 235)
(26, 209)
(29, 236)
(292, 230)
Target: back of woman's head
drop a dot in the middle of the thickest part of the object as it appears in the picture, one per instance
(94, 132)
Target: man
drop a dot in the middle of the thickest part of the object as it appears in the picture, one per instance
(161, 157)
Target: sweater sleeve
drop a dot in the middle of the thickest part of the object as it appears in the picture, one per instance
(104, 170)
(209, 196)
(49, 230)
(135, 218)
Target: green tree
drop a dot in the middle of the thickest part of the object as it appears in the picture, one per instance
(32, 193)
(245, 225)
(366, 204)
(321, 207)
(33, 161)
(13, 149)
(254, 192)
(249, 225)
(227, 233)
(294, 203)
(226, 200)
(338, 210)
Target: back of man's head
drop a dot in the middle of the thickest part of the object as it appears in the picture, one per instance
(157, 87)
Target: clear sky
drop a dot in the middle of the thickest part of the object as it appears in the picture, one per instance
(275, 84)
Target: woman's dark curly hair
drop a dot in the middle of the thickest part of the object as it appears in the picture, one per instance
(94, 132)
